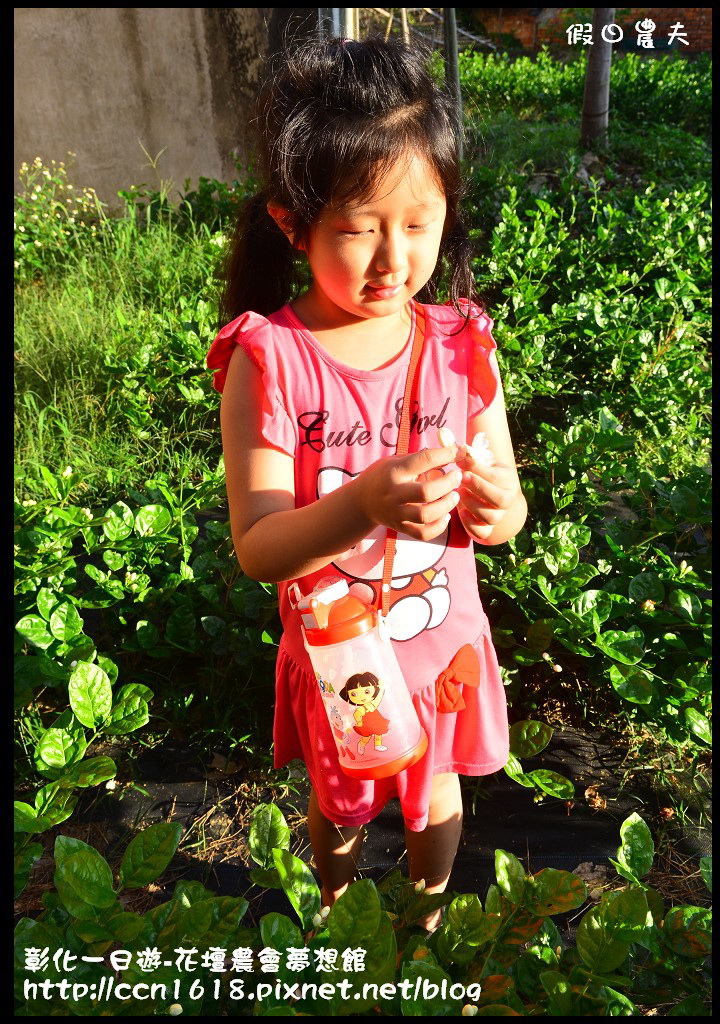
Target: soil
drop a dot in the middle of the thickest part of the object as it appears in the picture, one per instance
(214, 798)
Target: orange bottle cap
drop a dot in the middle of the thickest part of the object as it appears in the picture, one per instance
(347, 618)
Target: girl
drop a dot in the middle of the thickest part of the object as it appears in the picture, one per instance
(359, 161)
(366, 690)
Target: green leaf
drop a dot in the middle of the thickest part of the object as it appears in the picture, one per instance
(118, 522)
(268, 832)
(357, 919)
(552, 783)
(698, 725)
(598, 947)
(692, 1006)
(54, 803)
(559, 990)
(551, 891)
(688, 932)
(149, 854)
(560, 555)
(686, 605)
(151, 520)
(646, 587)
(598, 601)
(46, 600)
(278, 932)
(706, 871)
(113, 559)
(429, 1001)
(67, 845)
(25, 818)
(23, 862)
(539, 635)
(148, 635)
(65, 622)
(135, 690)
(126, 716)
(266, 878)
(35, 630)
(510, 876)
(626, 913)
(298, 885)
(63, 743)
(528, 738)
(513, 769)
(626, 647)
(180, 629)
(637, 849)
(90, 772)
(84, 881)
(90, 694)
(632, 683)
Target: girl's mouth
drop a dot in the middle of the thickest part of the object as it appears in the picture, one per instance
(384, 292)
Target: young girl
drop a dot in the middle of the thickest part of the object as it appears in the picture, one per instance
(359, 161)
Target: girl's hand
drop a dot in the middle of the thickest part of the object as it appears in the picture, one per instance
(395, 492)
(487, 493)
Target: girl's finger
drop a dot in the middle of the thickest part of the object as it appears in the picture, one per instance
(429, 512)
(424, 491)
(429, 458)
(488, 493)
(480, 513)
(479, 530)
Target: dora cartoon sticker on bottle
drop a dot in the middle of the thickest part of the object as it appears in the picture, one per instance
(366, 691)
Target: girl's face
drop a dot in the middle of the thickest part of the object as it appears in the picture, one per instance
(361, 694)
(368, 260)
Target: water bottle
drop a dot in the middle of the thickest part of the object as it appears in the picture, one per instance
(366, 699)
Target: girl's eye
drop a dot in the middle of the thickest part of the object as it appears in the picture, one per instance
(417, 227)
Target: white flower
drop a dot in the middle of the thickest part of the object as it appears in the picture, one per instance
(67, 472)
(175, 1010)
(111, 784)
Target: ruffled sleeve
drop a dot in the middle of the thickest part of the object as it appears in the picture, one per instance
(483, 372)
(256, 336)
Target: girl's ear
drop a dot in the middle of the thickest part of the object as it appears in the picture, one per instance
(285, 221)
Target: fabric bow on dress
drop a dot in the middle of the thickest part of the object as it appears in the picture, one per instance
(464, 668)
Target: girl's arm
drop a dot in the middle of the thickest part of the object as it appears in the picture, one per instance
(492, 507)
(274, 541)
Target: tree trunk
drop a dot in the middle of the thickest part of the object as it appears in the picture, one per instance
(452, 70)
(596, 101)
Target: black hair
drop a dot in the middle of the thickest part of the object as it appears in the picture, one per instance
(332, 118)
(359, 679)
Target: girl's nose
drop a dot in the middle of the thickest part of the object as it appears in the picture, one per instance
(391, 255)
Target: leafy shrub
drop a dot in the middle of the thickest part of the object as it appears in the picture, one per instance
(504, 958)
(641, 92)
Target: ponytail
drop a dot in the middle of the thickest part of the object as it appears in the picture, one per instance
(259, 272)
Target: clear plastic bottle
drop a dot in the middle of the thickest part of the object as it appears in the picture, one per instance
(366, 699)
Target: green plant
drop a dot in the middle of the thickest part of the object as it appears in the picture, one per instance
(366, 954)
(53, 219)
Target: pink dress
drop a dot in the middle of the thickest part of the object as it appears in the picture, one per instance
(335, 420)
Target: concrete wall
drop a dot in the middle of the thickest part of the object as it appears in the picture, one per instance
(101, 81)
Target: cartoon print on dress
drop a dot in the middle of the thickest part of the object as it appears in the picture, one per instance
(366, 691)
(419, 598)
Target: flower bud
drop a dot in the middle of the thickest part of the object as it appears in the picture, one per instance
(111, 784)
(324, 911)
(469, 1010)
(175, 1010)
(420, 886)
(557, 668)
(317, 921)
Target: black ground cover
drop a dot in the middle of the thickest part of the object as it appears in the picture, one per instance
(499, 814)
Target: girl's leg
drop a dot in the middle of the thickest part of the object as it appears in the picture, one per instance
(431, 853)
(336, 849)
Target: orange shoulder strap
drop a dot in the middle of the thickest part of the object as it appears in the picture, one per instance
(402, 445)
